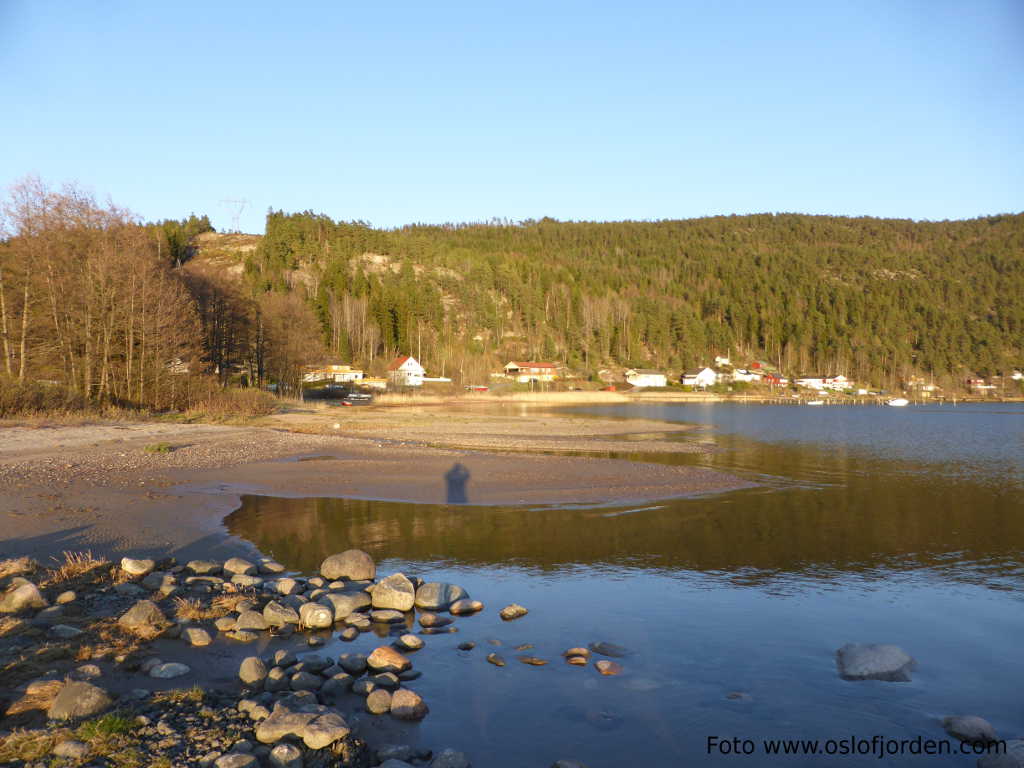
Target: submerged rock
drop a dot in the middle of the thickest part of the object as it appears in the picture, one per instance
(874, 662)
(970, 728)
(449, 758)
(169, 670)
(1012, 758)
(609, 649)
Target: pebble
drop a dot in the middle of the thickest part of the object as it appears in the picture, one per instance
(66, 597)
(608, 668)
(469, 645)
(197, 636)
(431, 620)
(240, 566)
(169, 670)
(874, 662)
(409, 642)
(970, 728)
(496, 660)
(532, 661)
(465, 607)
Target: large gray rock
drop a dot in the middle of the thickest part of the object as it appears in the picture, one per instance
(970, 728)
(1013, 757)
(24, 597)
(874, 662)
(395, 592)
(79, 699)
(345, 603)
(316, 616)
(353, 564)
(438, 596)
(278, 615)
(449, 758)
(252, 671)
(144, 616)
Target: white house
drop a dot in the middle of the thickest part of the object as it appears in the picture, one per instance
(339, 374)
(811, 382)
(838, 383)
(404, 371)
(527, 372)
(700, 379)
(743, 375)
(644, 378)
(722, 361)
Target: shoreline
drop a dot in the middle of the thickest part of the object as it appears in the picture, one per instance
(96, 488)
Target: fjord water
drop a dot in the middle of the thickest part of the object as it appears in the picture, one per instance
(869, 525)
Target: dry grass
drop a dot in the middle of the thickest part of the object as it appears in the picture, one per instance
(194, 694)
(16, 566)
(30, 745)
(75, 566)
(193, 609)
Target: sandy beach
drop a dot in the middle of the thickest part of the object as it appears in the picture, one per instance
(97, 487)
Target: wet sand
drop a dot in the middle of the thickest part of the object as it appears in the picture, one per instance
(95, 487)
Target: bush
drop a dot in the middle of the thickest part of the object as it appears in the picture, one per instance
(32, 398)
(233, 403)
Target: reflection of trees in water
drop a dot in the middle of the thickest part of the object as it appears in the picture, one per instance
(868, 523)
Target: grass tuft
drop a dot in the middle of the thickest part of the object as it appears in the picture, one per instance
(103, 728)
(158, 448)
(194, 694)
(75, 565)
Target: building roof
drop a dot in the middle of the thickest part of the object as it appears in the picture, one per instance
(398, 362)
(514, 364)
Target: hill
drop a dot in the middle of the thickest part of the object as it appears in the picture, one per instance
(876, 299)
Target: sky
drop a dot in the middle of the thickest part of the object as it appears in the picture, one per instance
(397, 113)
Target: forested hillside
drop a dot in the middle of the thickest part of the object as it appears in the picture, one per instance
(876, 299)
(154, 315)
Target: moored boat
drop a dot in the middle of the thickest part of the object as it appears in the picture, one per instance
(897, 402)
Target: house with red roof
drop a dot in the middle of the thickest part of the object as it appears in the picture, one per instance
(405, 371)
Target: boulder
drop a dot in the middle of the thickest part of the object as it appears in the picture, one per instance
(353, 565)
(252, 671)
(24, 597)
(378, 701)
(252, 620)
(438, 596)
(277, 615)
(970, 728)
(325, 730)
(239, 566)
(79, 699)
(143, 617)
(345, 603)
(874, 662)
(513, 611)
(135, 567)
(386, 659)
(395, 592)
(316, 616)
(408, 705)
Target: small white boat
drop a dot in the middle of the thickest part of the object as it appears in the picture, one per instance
(898, 402)
(815, 402)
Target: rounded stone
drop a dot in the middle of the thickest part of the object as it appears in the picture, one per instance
(252, 671)
(197, 636)
(432, 620)
(236, 760)
(352, 564)
(409, 642)
(24, 597)
(395, 592)
(79, 699)
(465, 607)
(305, 681)
(144, 616)
(408, 705)
(316, 616)
(385, 616)
(495, 659)
(277, 615)
(608, 668)
(438, 596)
(169, 670)
(378, 702)
(66, 597)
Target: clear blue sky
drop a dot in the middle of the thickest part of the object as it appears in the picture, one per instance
(430, 112)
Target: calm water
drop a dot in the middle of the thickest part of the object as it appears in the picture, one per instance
(871, 525)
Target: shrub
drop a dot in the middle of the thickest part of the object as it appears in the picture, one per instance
(32, 398)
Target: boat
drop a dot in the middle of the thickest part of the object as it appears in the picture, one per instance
(815, 402)
(898, 402)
